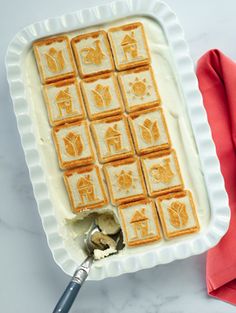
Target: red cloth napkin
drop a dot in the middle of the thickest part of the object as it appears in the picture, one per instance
(217, 80)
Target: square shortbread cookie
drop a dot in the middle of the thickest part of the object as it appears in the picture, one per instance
(73, 144)
(54, 59)
(162, 173)
(92, 53)
(112, 139)
(64, 102)
(149, 131)
(140, 222)
(102, 96)
(129, 45)
(125, 181)
(139, 89)
(178, 214)
(85, 188)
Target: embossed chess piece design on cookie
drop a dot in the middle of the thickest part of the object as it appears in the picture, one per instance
(54, 59)
(178, 214)
(85, 188)
(112, 139)
(73, 144)
(129, 46)
(162, 173)
(64, 102)
(149, 131)
(140, 222)
(102, 96)
(92, 53)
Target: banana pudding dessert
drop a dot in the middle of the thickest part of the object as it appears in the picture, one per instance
(113, 137)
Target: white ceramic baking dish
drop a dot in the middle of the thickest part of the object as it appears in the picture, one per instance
(160, 13)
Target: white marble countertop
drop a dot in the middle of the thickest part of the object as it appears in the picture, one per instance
(29, 279)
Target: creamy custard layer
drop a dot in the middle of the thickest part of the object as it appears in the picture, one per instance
(181, 134)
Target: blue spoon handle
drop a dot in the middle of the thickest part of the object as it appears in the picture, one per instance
(65, 302)
(68, 297)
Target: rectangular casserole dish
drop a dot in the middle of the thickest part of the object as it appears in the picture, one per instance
(173, 68)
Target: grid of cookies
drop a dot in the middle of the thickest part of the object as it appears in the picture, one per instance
(110, 132)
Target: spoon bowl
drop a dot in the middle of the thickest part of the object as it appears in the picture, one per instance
(93, 239)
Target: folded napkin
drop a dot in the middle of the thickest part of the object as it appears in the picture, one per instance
(217, 80)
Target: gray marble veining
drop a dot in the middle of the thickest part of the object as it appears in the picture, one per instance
(30, 280)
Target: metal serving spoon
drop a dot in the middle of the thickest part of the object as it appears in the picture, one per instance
(91, 243)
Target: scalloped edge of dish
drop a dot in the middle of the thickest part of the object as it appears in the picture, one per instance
(220, 212)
